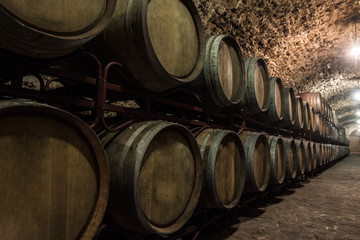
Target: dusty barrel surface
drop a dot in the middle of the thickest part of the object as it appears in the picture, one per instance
(300, 149)
(223, 168)
(155, 177)
(160, 42)
(277, 160)
(257, 154)
(290, 113)
(46, 29)
(291, 158)
(56, 174)
(257, 91)
(222, 82)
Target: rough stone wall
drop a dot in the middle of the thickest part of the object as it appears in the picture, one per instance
(304, 42)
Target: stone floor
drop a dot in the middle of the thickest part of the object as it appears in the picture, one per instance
(325, 207)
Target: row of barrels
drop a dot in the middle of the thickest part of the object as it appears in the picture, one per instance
(59, 177)
(161, 53)
(321, 107)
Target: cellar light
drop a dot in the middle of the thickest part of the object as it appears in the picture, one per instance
(356, 96)
(355, 51)
(358, 113)
(358, 121)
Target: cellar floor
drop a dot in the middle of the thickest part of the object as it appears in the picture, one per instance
(327, 206)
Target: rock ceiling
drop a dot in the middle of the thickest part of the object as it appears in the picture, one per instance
(306, 43)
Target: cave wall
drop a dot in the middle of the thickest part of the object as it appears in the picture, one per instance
(304, 42)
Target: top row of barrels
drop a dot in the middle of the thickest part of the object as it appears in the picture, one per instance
(162, 45)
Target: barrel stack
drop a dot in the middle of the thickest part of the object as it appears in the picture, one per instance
(150, 176)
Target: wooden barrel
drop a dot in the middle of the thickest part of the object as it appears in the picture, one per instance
(336, 119)
(318, 124)
(315, 156)
(323, 106)
(324, 130)
(326, 153)
(257, 155)
(257, 91)
(290, 114)
(56, 174)
(291, 158)
(275, 112)
(277, 160)
(312, 120)
(160, 42)
(45, 29)
(299, 122)
(335, 134)
(155, 177)
(319, 155)
(223, 79)
(331, 115)
(308, 156)
(325, 110)
(301, 156)
(223, 161)
(314, 100)
(307, 117)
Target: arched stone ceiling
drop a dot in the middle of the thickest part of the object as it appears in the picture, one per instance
(306, 43)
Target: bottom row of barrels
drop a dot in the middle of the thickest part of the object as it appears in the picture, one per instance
(59, 179)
